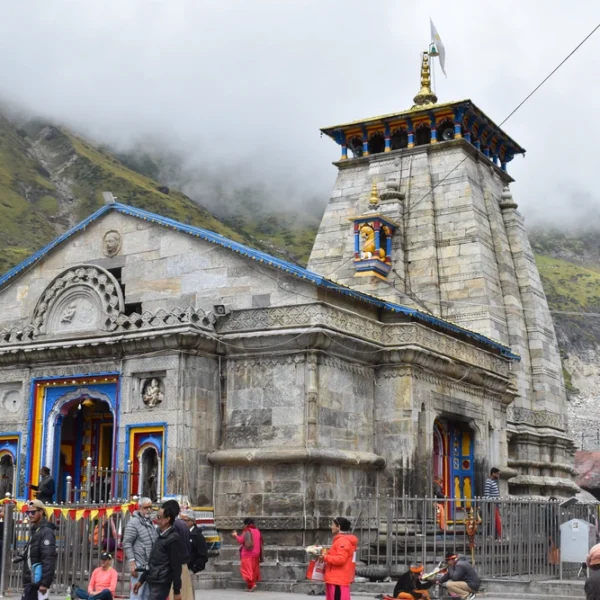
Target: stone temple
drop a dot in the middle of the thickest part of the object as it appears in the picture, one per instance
(417, 342)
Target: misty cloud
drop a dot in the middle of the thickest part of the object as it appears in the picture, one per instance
(241, 87)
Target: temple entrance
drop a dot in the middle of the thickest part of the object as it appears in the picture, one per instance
(7, 474)
(84, 427)
(453, 459)
(149, 473)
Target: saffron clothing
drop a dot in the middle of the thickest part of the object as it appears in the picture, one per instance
(250, 557)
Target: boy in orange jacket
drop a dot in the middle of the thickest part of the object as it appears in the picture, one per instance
(340, 561)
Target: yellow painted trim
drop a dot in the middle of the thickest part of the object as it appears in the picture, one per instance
(132, 456)
(369, 274)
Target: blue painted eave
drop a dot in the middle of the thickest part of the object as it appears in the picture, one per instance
(267, 259)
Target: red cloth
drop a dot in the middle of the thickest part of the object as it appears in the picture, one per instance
(498, 523)
(330, 591)
(250, 570)
(340, 560)
(257, 542)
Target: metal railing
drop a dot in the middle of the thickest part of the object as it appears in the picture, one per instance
(83, 532)
(101, 485)
(503, 538)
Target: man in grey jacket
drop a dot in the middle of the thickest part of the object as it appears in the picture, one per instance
(138, 538)
(461, 578)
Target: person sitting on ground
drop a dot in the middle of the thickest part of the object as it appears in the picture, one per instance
(103, 583)
(592, 583)
(410, 586)
(461, 578)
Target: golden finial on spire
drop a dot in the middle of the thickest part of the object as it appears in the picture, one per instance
(374, 200)
(425, 97)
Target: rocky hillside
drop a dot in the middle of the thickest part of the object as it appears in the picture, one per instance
(50, 179)
(569, 264)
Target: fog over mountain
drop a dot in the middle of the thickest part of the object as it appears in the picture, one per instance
(241, 88)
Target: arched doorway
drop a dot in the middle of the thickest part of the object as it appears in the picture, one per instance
(84, 428)
(149, 473)
(453, 460)
(7, 473)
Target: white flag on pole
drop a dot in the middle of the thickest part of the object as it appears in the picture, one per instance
(437, 47)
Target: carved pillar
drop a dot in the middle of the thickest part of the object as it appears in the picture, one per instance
(312, 397)
(388, 145)
(411, 133)
(365, 141)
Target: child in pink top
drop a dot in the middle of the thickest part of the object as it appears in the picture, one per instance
(103, 583)
(251, 548)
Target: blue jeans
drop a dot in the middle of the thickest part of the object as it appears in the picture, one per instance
(103, 595)
(143, 593)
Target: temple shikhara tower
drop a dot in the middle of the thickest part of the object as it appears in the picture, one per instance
(422, 214)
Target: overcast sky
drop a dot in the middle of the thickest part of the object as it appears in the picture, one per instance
(249, 82)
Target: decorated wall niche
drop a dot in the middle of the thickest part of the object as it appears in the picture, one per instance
(373, 245)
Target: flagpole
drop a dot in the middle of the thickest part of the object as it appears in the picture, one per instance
(432, 71)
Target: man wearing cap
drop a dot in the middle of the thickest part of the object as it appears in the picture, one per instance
(103, 582)
(138, 538)
(592, 583)
(461, 578)
(410, 586)
(39, 556)
(199, 551)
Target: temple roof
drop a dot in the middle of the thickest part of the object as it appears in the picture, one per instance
(261, 257)
(439, 110)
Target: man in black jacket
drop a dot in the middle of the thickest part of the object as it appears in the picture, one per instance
(39, 557)
(199, 553)
(165, 561)
(461, 578)
(46, 488)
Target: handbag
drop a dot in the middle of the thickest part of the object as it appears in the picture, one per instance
(316, 570)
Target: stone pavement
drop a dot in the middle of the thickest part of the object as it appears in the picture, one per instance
(258, 595)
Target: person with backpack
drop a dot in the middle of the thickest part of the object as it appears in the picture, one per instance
(251, 553)
(199, 553)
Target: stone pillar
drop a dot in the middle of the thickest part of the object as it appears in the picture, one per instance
(388, 145)
(365, 141)
(410, 133)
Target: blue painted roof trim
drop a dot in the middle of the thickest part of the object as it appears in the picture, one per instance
(261, 257)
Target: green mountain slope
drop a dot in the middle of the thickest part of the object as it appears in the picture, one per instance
(50, 179)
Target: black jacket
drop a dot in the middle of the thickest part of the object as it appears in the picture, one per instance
(41, 548)
(184, 534)
(409, 582)
(45, 490)
(166, 559)
(199, 553)
(463, 571)
(592, 586)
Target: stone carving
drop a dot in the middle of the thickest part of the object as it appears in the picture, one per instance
(80, 298)
(307, 315)
(162, 319)
(11, 399)
(537, 418)
(153, 394)
(69, 313)
(111, 244)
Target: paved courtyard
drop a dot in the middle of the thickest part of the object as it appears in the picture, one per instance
(258, 595)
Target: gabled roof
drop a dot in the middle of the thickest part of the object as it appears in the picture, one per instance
(267, 259)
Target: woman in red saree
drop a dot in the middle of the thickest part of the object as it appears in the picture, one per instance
(251, 546)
